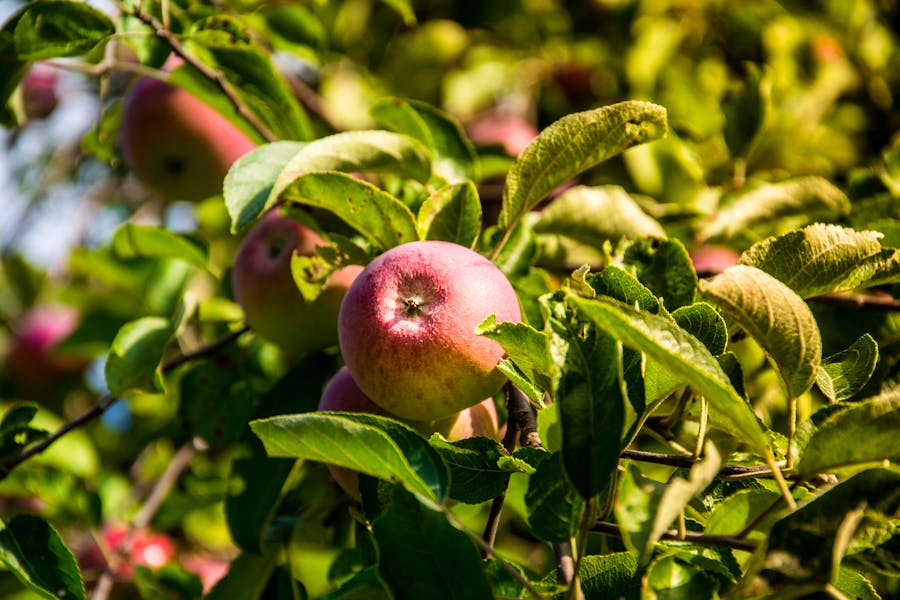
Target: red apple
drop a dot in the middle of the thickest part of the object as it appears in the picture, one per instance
(31, 364)
(407, 329)
(264, 286)
(176, 144)
(39, 96)
(513, 133)
(342, 394)
(125, 548)
(711, 259)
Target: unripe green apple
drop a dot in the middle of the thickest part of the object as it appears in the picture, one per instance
(407, 329)
(342, 394)
(264, 287)
(175, 143)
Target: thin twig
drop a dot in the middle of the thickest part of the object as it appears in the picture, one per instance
(726, 541)
(216, 77)
(860, 301)
(686, 461)
(492, 524)
(109, 399)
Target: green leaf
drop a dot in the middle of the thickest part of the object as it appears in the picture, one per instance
(605, 576)
(223, 43)
(171, 582)
(421, 555)
(403, 8)
(455, 159)
(250, 180)
(250, 510)
(33, 551)
(777, 318)
(134, 357)
(591, 216)
(590, 400)
(841, 376)
(474, 472)
(646, 509)
(526, 347)
(17, 431)
(58, 28)
(376, 446)
(851, 518)
(247, 577)
(574, 144)
(817, 259)
(860, 434)
(703, 322)
(258, 181)
(670, 578)
(809, 197)
(745, 111)
(363, 585)
(150, 241)
(621, 285)
(452, 214)
(732, 515)
(665, 267)
(682, 354)
(553, 505)
(855, 585)
(384, 220)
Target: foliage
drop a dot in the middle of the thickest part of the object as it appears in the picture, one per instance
(704, 236)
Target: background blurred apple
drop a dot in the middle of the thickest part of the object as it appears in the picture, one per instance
(39, 95)
(176, 144)
(264, 286)
(513, 133)
(31, 365)
(407, 329)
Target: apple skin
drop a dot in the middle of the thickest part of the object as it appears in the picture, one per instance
(513, 133)
(264, 287)
(143, 547)
(342, 394)
(30, 364)
(39, 95)
(712, 259)
(175, 143)
(407, 329)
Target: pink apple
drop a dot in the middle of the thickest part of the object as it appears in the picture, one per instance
(264, 286)
(407, 329)
(176, 144)
(39, 96)
(31, 363)
(342, 394)
(125, 548)
(711, 259)
(513, 133)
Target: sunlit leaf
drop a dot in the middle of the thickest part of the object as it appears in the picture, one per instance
(134, 357)
(150, 241)
(703, 322)
(807, 196)
(452, 214)
(474, 472)
(817, 259)
(376, 446)
(34, 552)
(777, 318)
(841, 376)
(58, 28)
(573, 144)
(665, 268)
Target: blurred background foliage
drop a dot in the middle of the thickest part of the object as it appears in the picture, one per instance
(757, 92)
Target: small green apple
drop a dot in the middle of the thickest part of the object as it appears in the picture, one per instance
(264, 287)
(407, 329)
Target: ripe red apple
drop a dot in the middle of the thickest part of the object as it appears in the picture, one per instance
(407, 329)
(264, 286)
(125, 549)
(176, 144)
(31, 364)
(342, 394)
(39, 96)
(513, 133)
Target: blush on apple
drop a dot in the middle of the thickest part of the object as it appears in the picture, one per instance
(39, 95)
(175, 143)
(407, 329)
(513, 133)
(31, 364)
(264, 287)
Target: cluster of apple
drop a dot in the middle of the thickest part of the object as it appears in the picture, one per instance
(405, 326)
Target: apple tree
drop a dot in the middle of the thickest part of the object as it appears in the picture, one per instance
(644, 343)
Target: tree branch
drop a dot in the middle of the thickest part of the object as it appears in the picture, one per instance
(726, 541)
(509, 443)
(686, 461)
(108, 400)
(160, 31)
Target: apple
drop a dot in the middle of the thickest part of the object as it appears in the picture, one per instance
(713, 259)
(39, 96)
(342, 393)
(125, 548)
(264, 287)
(407, 329)
(31, 364)
(513, 133)
(175, 143)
